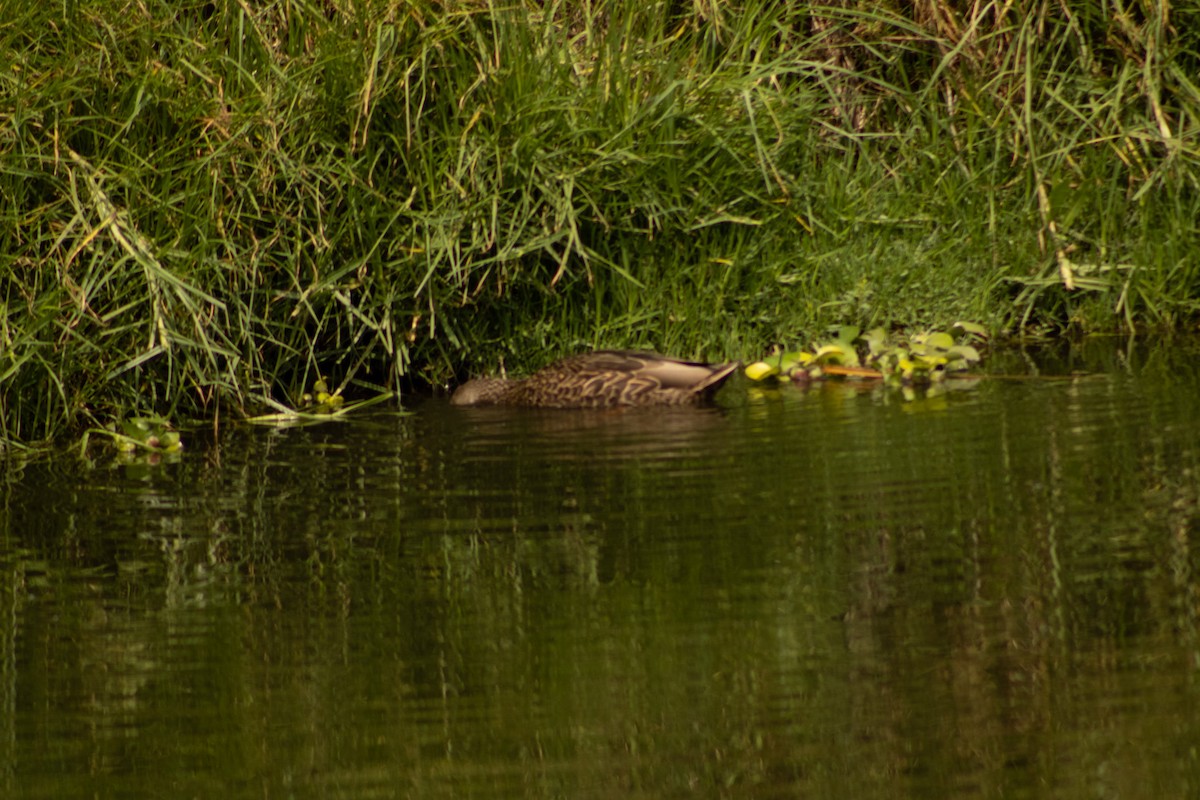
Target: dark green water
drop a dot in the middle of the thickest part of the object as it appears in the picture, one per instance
(991, 593)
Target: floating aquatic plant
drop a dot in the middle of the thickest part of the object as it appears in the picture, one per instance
(916, 359)
(136, 436)
(316, 405)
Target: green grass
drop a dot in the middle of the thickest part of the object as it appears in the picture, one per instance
(204, 205)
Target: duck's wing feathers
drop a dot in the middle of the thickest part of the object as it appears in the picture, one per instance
(638, 372)
(607, 378)
(689, 376)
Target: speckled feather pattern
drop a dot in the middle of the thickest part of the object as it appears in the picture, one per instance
(603, 379)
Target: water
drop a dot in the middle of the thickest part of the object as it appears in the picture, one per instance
(990, 593)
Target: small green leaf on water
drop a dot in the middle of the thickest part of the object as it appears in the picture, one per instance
(876, 340)
(760, 370)
(793, 360)
(773, 360)
(137, 427)
(830, 354)
(972, 329)
(940, 340)
(965, 352)
(847, 333)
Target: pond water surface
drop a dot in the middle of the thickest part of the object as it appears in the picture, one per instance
(834, 592)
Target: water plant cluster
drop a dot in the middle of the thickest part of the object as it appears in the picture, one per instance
(919, 358)
(315, 406)
(205, 205)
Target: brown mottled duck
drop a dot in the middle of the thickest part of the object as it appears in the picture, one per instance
(603, 379)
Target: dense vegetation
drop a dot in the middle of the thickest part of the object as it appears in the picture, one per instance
(205, 203)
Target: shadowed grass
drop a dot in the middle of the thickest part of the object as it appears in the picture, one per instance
(207, 205)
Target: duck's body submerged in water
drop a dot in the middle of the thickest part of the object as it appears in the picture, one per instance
(603, 379)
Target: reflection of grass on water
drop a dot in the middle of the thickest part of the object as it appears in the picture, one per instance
(771, 597)
(407, 192)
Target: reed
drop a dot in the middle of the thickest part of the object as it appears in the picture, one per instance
(206, 204)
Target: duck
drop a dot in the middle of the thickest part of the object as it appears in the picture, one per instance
(603, 379)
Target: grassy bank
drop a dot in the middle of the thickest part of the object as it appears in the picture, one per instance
(206, 203)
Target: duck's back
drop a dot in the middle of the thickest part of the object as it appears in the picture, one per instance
(608, 378)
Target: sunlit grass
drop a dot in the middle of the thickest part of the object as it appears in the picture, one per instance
(206, 203)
